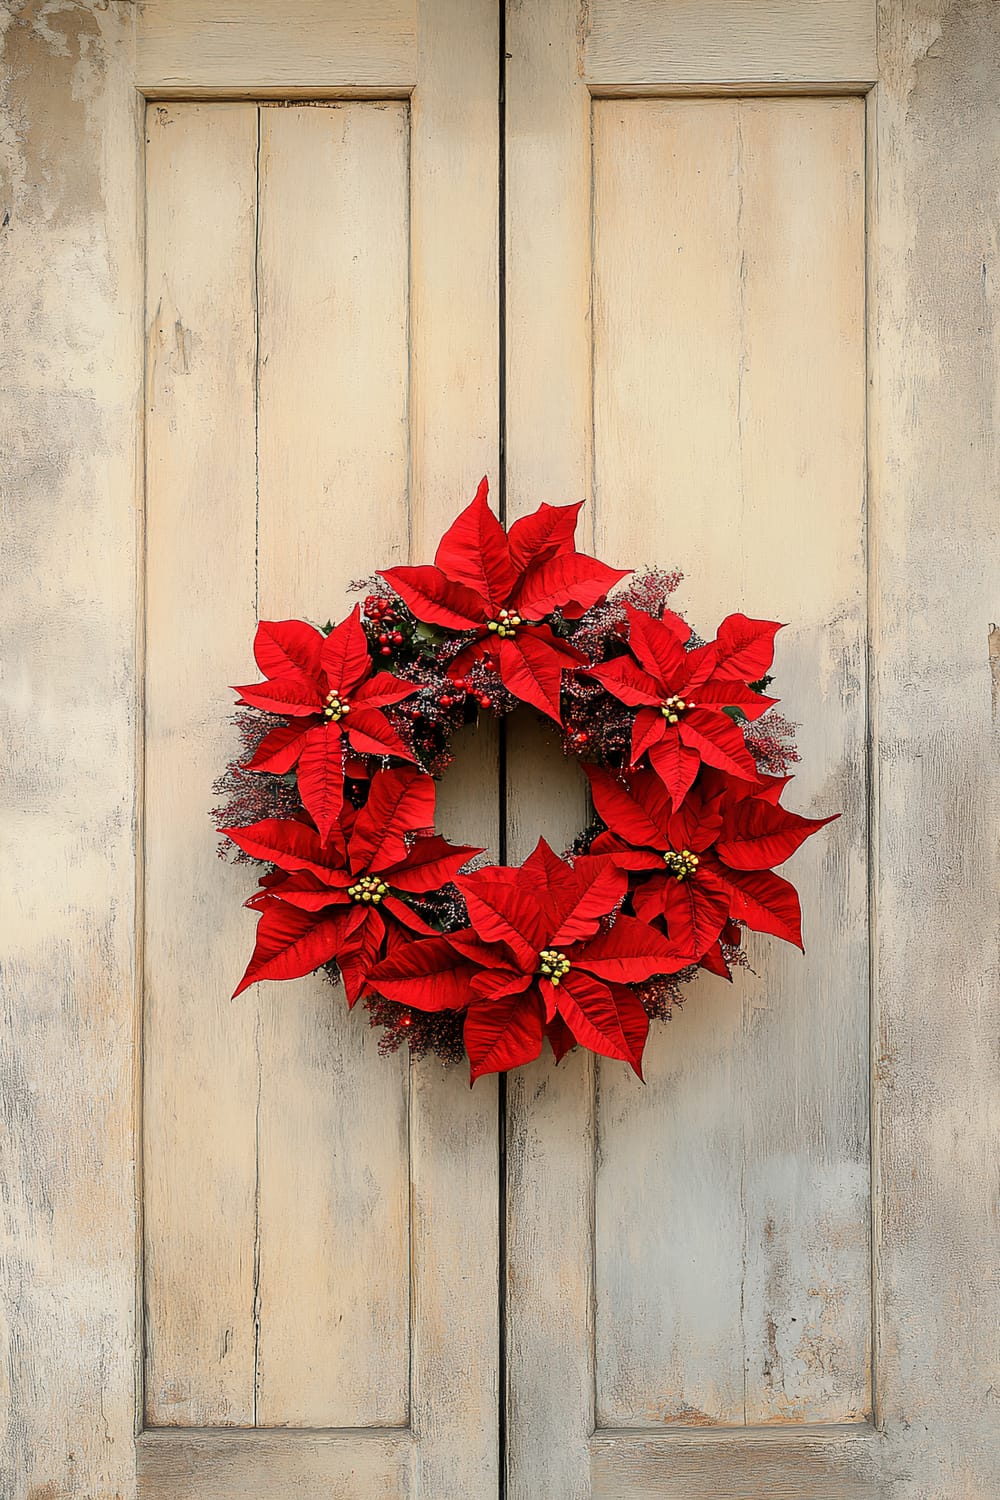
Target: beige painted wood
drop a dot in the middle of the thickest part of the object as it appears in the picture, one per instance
(255, 46)
(742, 1292)
(200, 1050)
(454, 440)
(259, 1465)
(730, 422)
(70, 372)
(933, 285)
(649, 44)
(333, 1235)
(372, 1182)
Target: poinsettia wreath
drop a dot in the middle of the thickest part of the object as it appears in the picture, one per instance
(335, 790)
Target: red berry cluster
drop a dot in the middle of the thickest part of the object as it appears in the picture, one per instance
(381, 614)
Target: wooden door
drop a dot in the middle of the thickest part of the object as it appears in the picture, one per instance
(249, 291)
(710, 1287)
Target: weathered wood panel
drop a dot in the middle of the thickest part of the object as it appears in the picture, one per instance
(729, 356)
(333, 1236)
(70, 372)
(935, 297)
(650, 44)
(255, 46)
(200, 1052)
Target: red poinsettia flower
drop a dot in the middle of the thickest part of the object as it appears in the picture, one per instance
(539, 959)
(502, 587)
(324, 684)
(703, 865)
(339, 898)
(682, 695)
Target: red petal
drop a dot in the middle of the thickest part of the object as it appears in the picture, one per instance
(291, 943)
(279, 750)
(696, 911)
(657, 646)
(462, 664)
(631, 950)
(284, 646)
(399, 802)
(611, 1022)
(344, 656)
(718, 741)
(503, 1033)
(429, 864)
(383, 689)
(474, 552)
(745, 647)
(293, 695)
(628, 683)
(636, 807)
(699, 665)
(548, 530)
(696, 824)
(371, 733)
(561, 1039)
(597, 886)
(569, 581)
(357, 960)
(765, 902)
(500, 913)
(433, 598)
(648, 729)
(429, 975)
(734, 695)
(715, 963)
(410, 919)
(288, 843)
(533, 673)
(758, 835)
(491, 983)
(310, 893)
(321, 776)
(675, 764)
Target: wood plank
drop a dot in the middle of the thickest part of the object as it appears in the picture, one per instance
(730, 416)
(333, 1297)
(454, 440)
(71, 309)
(252, 46)
(200, 1066)
(935, 296)
(259, 1465)
(548, 455)
(653, 44)
(817, 1463)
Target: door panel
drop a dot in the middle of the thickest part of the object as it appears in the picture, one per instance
(729, 438)
(312, 413)
(700, 1246)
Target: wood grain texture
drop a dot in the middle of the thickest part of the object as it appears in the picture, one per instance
(255, 47)
(730, 419)
(454, 440)
(815, 1463)
(70, 370)
(652, 44)
(935, 296)
(200, 1048)
(260, 1465)
(548, 454)
(333, 1176)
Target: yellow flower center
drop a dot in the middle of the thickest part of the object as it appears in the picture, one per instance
(505, 624)
(368, 889)
(672, 708)
(553, 965)
(336, 707)
(681, 863)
